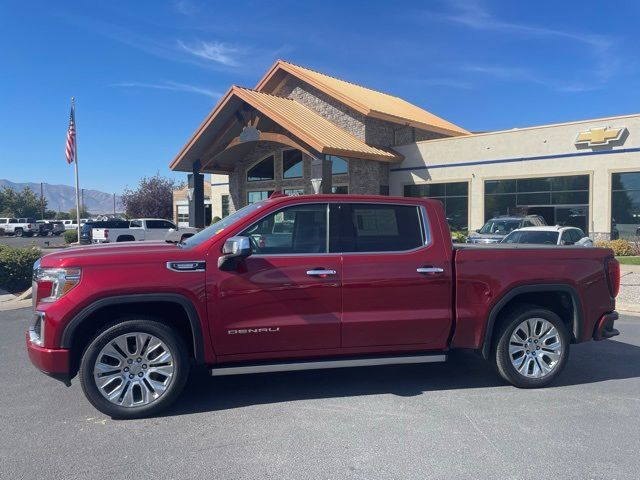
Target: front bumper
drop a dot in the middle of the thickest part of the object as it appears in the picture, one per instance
(55, 362)
(604, 327)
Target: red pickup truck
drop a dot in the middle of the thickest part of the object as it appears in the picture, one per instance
(309, 282)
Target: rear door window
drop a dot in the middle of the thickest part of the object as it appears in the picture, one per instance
(382, 228)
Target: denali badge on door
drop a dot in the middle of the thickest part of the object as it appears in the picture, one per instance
(253, 330)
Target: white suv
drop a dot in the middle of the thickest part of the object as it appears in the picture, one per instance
(550, 236)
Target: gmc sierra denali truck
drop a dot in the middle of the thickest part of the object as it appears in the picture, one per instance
(309, 282)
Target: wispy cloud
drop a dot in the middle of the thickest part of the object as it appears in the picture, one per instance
(524, 75)
(185, 7)
(218, 52)
(600, 48)
(172, 86)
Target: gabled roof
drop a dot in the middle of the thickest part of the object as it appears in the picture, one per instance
(302, 122)
(364, 100)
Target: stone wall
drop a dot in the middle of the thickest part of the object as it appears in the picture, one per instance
(341, 115)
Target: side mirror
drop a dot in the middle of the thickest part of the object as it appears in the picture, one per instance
(235, 248)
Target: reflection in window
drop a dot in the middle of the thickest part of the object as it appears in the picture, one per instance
(292, 164)
(625, 205)
(297, 229)
(262, 170)
(384, 228)
(454, 196)
(253, 197)
(338, 165)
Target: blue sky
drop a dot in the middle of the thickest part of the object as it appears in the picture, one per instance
(146, 73)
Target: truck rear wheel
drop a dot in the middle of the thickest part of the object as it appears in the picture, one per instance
(134, 368)
(532, 347)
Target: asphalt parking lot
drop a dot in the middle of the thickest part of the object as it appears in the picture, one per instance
(29, 241)
(451, 420)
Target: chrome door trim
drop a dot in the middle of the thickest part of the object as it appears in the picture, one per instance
(183, 266)
(319, 365)
(430, 270)
(321, 272)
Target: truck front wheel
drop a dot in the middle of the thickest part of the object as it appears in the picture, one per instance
(134, 368)
(532, 347)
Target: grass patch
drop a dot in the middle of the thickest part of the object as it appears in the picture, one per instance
(629, 260)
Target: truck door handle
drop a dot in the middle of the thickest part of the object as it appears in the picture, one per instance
(430, 270)
(320, 272)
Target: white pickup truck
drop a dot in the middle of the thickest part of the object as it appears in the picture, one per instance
(139, 229)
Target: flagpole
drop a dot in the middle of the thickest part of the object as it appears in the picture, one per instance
(73, 106)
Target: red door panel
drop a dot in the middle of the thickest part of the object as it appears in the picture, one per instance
(272, 304)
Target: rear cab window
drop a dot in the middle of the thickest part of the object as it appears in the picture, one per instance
(370, 227)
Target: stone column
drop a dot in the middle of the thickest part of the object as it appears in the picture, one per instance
(196, 197)
(321, 174)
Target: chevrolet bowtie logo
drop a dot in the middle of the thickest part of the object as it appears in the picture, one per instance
(599, 136)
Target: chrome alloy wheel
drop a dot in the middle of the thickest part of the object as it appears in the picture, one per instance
(133, 369)
(535, 348)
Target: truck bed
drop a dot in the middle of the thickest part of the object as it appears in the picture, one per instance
(484, 272)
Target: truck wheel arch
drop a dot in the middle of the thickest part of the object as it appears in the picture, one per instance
(191, 313)
(507, 298)
(125, 238)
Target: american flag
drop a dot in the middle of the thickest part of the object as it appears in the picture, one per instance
(71, 136)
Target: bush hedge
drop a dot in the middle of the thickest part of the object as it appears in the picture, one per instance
(620, 247)
(70, 236)
(16, 267)
(459, 236)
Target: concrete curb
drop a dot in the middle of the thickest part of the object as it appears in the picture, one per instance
(14, 305)
(628, 307)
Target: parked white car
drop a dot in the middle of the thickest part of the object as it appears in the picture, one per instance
(549, 236)
(139, 229)
(73, 223)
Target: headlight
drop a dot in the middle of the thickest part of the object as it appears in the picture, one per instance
(53, 283)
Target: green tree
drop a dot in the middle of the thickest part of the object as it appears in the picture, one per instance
(21, 204)
(84, 213)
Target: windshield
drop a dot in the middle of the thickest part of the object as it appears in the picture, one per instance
(215, 228)
(500, 227)
(523, 236)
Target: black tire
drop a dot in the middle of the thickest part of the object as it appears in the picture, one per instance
(149, 325)
(501, 354)
(18, 232)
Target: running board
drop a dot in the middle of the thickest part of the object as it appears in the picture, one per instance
(322, 364)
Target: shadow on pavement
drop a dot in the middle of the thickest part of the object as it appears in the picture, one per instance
(589, 363)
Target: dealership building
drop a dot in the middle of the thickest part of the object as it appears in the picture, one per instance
(302, 132)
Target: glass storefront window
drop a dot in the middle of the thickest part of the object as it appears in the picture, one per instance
(625, 205)
(293, 192)
(291, 164)
(338, 165)
(253, 197)
(341, 189)
(559, 200)
(263, 170)
(454, 196)
(224, 199)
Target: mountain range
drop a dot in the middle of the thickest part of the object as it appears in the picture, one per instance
(63, 197)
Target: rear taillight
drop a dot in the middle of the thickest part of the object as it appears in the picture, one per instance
(28, 225)
(613, 275)
(106, 233)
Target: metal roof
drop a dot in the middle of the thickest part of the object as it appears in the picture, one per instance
(312, 128)
(365, 100)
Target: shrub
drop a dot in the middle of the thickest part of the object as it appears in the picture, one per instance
(16, 267)
(214, 220)
(459, 236)
(70, 236)
(620, 247)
